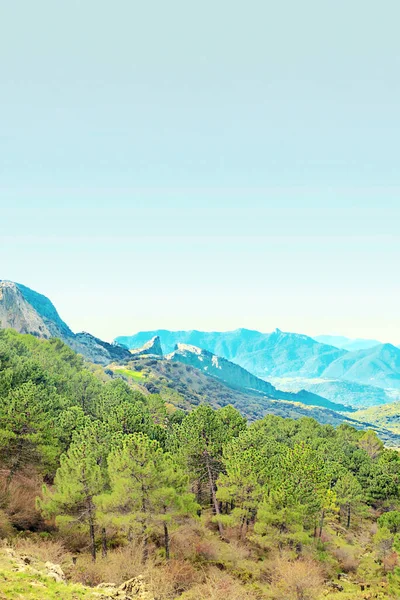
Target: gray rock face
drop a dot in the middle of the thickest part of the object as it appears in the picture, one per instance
(17, 312)
(96, 350)
(152, 347)
(26, 311)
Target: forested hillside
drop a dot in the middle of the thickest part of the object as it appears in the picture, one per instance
(113, 484)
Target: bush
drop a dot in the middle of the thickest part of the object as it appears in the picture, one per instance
(43, 550)
(20, 506)
(6, 529)
(119, 566)
(219, 586)
(297, 580)
(347, 561)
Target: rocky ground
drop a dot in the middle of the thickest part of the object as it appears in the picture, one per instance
(25, 578)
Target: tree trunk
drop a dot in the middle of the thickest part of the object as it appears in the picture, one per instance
(90, 509)
(104, 542)
(348, 515)
(166, 541)
(321, 524)
(92, 539)
(198, 491)
(144, 529)
(214, 497)
(243, 528)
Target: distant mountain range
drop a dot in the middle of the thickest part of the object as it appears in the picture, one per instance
(346, 343)
(275, 354)
(281, 354)
(30, 312)
(355, 378)
(237, 377)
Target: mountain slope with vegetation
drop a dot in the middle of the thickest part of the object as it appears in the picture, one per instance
(387, 416)
(356, 395)
(235, 376)
(112, 484)
(182, 386)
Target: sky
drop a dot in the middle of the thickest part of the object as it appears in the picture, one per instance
(203, 165)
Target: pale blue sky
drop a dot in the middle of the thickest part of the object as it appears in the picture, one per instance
(203, 165)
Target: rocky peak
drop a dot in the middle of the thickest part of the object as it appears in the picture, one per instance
(152, 347)
(27, 311)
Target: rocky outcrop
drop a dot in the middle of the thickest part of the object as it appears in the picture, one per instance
(152, 347)
(133, 589)
(18, 313)
(26, 311)
(96, 350)
(43, 576)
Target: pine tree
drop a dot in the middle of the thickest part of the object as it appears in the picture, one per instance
(200, 438)
(242, 485)
(296, 493)
(26, 426)
(78, 480)
(349, 494)
(147, 489)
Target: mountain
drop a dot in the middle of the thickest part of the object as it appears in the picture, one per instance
(237, 377)
(346, 343)
(265, 355)
(360, 378)
(379, 366)
(27, 311)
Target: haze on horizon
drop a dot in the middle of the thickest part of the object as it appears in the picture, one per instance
(211, 168)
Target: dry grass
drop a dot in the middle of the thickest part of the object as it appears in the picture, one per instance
(20, 502)
(6, 529)
(166, 581)
(43, 550)
(296, 580)
(348, 562)
(218, 586)
(119, 566)
(172, 579)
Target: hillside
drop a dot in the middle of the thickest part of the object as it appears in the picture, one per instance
(29, 576)
(387, 416)
(184, 386)
(356, 395)
(112, 493)
(237, 377)
(27, 311)
(379, 366)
